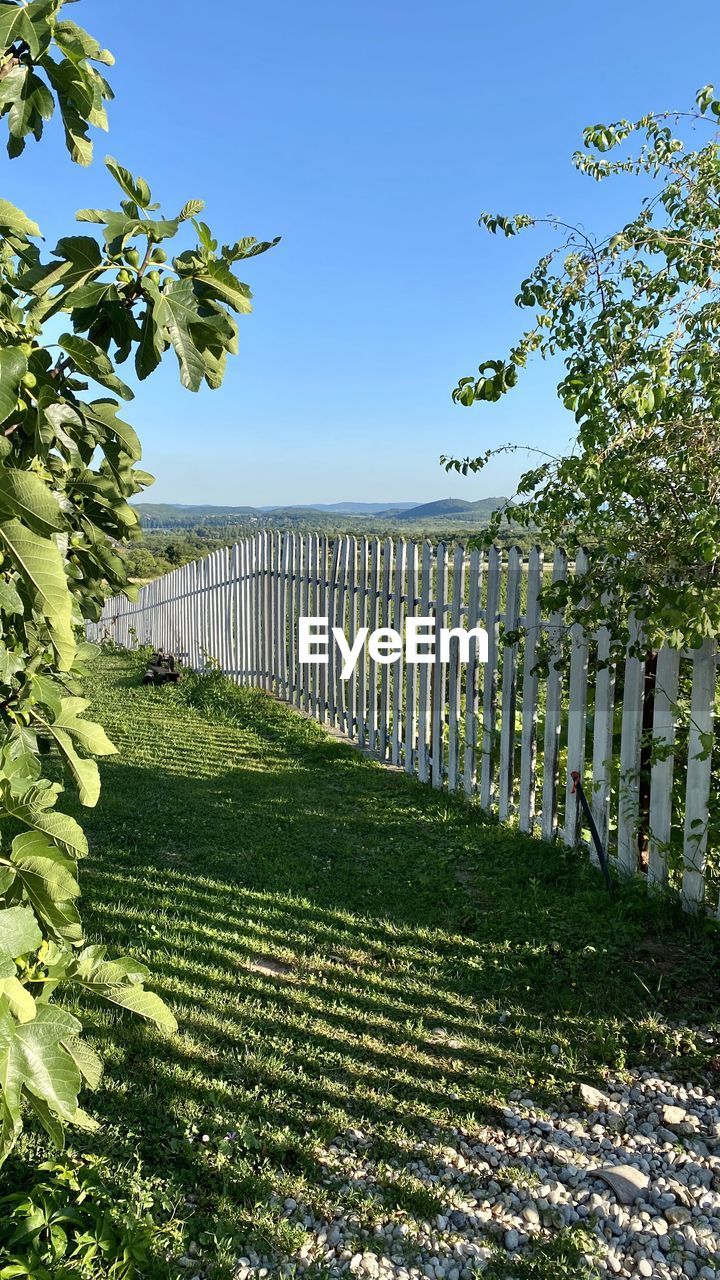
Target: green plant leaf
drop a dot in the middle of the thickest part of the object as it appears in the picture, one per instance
(77, 43)
(67, 728)
(20, 1001)
(55, 283)
(120, 982)
(87, 1061)
(85, 772)
(24, 494)
(220, 282)
(19, 932)
(33, 1061)
(176, 310)
(104, 414)
(91, 736)
(13, 219)
(50, 881)
(60, 827)
(93, 361)
(15, 25)
(41, 567)
(136, 188)
(13, 367)
(151, 346)
(191, 209)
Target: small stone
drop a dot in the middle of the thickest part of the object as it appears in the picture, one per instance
(592, 1098)
(680, 1120)
(512, 1240)
(677, 1214)
(645, 1267)
(626, 1181)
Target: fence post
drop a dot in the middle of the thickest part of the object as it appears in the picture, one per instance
(438, 670)
(472, 675)
(699, 775)
(490, 677)
(553, 707)
(661, 772)
(528, 745)
(630, 741)
(508, 704)
(577, 714)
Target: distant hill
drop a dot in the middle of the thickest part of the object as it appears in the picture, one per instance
(181, 511)
(481, 509)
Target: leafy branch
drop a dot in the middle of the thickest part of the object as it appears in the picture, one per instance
(634, 318)
(68, 470)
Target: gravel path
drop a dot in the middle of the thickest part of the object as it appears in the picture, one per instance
(637, 1165)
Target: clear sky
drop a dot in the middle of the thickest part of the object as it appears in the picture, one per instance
(370, 136)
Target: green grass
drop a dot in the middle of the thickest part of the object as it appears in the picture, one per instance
(422, 962)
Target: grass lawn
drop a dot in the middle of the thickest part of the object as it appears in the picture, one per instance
(343, 947)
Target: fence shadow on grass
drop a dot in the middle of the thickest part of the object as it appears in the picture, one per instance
(345, 948)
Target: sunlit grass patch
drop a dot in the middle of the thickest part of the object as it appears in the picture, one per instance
(344, 949)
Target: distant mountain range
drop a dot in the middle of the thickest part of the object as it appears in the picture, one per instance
(404, 512)
(347, 508)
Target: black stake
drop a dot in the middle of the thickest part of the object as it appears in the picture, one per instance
(582, 799)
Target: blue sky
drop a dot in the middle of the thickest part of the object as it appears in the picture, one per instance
(370, 136)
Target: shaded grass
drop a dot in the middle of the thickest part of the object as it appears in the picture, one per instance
(342, 946)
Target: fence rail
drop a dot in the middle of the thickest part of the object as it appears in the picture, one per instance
(500, 731)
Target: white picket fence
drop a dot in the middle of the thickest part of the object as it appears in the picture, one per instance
(500, 731)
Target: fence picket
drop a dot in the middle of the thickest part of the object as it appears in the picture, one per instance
(373, 605)
(454, 670)
(630, 743)
(330, 610)
(531, 682)
(662, 769)
(490, 679)
(553, 708)
(509, 687)
(603, 716)
(438, 671)
(699, 775)
(385, 669)
(410, 668)
(423, 719)
(472, 675)
(352, 685)
(362, 707)
(398, 667)
(340, 685)
(577, 715)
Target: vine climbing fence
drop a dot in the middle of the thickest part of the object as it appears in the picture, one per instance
(508, 731)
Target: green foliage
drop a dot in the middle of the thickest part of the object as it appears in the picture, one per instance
(573, 1253)
(46, 60)
(635, 318)
(68, 467)
(72, 1221)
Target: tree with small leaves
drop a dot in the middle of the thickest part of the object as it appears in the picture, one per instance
(634, 317)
